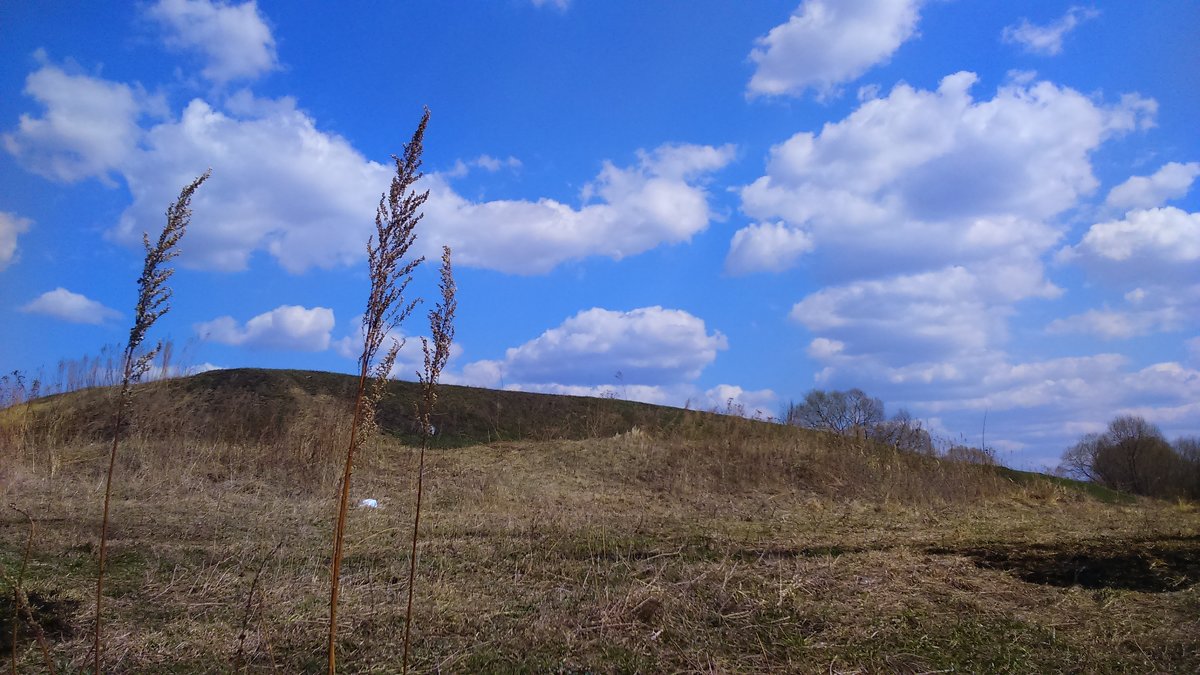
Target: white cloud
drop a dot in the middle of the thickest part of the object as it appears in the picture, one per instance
(824, 349)
(1047, 40)
(921, 179)
(289, 327)
(723, 398)
(1146, 239)
(729, 398)
(1158, 250)
(89, 127)
(627, 211)
(943, 314)
(930, 213)
(560, 5)
(766, 247)
(307, 197)
(1048, 403)
(11, 227)
(1172, 181)
(74, 307)
(650, 354)
(1117, 325)
(279, 185)
(650, 345)
(234, 39)
(486, 162)
(826, 42)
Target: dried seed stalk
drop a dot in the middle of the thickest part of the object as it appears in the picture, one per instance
(441, 328)
(396, 220)
(153, 301)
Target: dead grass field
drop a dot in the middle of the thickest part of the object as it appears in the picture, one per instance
(632, 553)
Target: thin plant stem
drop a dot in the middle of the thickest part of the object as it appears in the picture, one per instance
(441, 328)
(20, 600)
(396, 219)
(250, 601)
(153, 301)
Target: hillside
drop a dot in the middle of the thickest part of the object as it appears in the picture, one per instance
(568, 535)
(244, 404)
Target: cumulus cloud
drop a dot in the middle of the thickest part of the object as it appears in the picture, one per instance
(1150, 241)
(925, 178)
(644, 393)
(943, 313)
(1157, 250)
(766, 247)
(1061, 382)
(234, 40)
(650, 354)
(926, 217)
(279, 185)
(1113, 324)
(1048, 403)
(932, 212)
(306, 197)
(73, 307)
(89, 127)
(650, 345)
(1047, 40)
(825, 43)
(11, 227)
(289, 327)
(626, 211)
(1172, 181)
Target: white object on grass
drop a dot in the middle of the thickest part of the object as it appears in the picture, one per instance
(368, 504)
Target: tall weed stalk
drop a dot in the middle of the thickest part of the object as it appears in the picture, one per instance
(396, 220)
(441, 329)
(153, 301)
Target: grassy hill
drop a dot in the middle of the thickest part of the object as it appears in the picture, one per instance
(255, 404)
(568, 535)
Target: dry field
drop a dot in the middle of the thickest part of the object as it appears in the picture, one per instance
(719, 552)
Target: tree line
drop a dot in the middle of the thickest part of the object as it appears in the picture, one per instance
(1131, 455)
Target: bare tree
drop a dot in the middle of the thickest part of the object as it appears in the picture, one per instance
(844, 412)
(903, 432)
(1131, 455)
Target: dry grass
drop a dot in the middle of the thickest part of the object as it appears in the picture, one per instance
(390, 272)
(629, 553)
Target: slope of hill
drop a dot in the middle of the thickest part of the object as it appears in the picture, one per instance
(567, 535)
(259, 404)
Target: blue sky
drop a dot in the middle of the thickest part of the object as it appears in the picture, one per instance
(966, 208)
